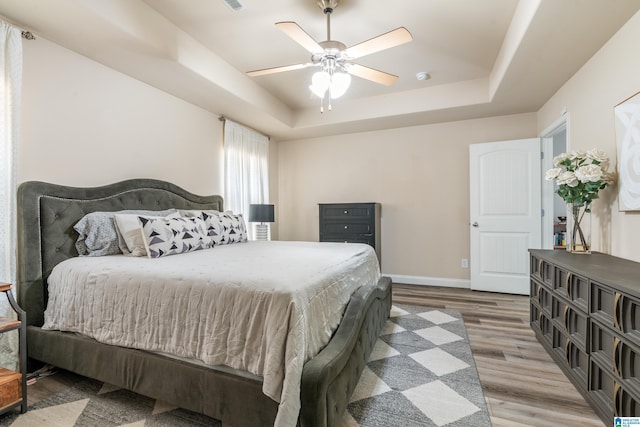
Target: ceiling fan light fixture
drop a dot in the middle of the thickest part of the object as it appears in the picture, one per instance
(334, 58)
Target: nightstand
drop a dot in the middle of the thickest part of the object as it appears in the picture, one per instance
(13, 385)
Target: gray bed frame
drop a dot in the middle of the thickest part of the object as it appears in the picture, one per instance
(46, 215)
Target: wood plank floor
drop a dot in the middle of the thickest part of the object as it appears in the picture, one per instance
(522, 384)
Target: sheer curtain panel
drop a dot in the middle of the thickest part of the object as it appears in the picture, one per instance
(246, 168)
(10, 85)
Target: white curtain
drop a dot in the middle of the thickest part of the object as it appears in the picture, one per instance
(246, 168)
(10, 86)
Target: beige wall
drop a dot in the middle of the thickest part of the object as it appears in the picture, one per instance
(589, 96)
(84, 124)
(420, 175)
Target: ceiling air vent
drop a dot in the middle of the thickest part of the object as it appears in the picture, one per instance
(235, 5)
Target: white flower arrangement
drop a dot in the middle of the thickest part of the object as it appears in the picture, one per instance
(580, 176)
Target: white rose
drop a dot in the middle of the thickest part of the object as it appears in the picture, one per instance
(567, 178)
(589, 173)
(552, 174)
(560, 158)
(578, 155)
(598, 155)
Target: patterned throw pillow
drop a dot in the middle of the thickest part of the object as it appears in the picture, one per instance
(171, 236)
(129, 230)
(225, 227)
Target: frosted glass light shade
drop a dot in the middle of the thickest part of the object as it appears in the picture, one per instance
(339, 84)
(320, 83)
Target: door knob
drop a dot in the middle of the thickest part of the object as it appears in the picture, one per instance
(475, 224)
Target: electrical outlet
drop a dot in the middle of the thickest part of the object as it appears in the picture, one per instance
(464, 263)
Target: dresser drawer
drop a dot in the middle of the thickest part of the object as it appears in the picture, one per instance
(601, 345)
(542, 270)
(601, 388)
(350, 239)
(628, 316)
(567, 353)
(341, 228)
(346, 211)
(572, 286)
(626, 404)
(542, 297)
(572, 322)
(602, 303)
(627, 364)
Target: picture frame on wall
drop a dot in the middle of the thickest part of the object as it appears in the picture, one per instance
(627, 117)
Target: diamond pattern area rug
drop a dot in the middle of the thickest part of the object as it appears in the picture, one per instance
(421, 373)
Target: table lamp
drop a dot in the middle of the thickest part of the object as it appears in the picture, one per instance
(261, 214)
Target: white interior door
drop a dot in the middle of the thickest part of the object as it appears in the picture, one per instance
(505, 215)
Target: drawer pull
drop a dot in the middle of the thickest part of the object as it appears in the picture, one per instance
(565, 319)
(539, 295)
(616, 310)
(616, 400)
(616, 358)
(540, 268)
(566, 351)
(540, 320)
(566, 285)
(346, 212)
(346, 227)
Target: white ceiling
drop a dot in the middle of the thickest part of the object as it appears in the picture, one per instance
(485, 57)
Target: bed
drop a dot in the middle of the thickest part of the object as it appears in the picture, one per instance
(46, 215)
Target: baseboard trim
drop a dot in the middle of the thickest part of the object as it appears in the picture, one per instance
(429, 281)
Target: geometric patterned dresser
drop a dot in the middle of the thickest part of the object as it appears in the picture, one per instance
(585, 310)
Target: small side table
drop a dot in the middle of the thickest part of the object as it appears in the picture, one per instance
(13, 385)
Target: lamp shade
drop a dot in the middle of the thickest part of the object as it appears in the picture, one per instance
(261, 213)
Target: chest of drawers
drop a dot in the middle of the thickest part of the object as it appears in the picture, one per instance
(351, 223)
(585, 310)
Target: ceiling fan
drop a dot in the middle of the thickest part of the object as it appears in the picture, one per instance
(335, 59)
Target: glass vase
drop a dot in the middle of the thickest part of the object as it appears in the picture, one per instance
(578, 235)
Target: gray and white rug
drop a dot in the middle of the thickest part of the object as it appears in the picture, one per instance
(421, 373)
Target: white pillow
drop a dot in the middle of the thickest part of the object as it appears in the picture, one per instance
(130, 237)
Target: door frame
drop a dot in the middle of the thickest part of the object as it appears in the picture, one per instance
(558, 126)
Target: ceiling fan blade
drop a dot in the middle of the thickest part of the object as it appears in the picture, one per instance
(273, 70)
(371, 74)
(294, 31)
(384, 41)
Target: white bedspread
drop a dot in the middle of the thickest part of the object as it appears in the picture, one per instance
(263, 307)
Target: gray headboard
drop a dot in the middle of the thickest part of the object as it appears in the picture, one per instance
(47, 213)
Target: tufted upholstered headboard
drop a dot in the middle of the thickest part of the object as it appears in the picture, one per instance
(48, 212)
